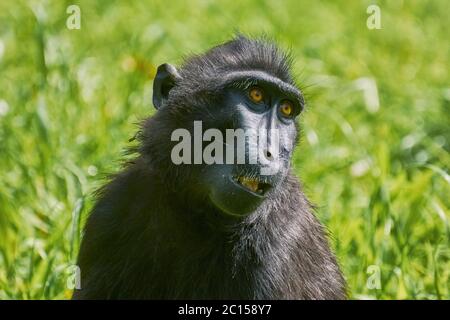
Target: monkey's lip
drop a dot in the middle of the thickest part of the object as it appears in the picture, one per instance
(253, 184)
(238, 194)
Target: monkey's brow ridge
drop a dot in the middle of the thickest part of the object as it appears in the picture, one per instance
(252, 76)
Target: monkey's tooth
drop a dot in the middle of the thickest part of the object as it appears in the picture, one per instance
(249, 184)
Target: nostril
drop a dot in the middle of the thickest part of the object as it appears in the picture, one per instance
(268, 155)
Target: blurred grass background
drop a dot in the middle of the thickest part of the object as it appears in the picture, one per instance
(374, 155)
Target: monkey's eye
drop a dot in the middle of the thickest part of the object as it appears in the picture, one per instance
(256, 94)
(287, 109)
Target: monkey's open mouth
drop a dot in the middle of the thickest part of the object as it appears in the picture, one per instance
(252, 184)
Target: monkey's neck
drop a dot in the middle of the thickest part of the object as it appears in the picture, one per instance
(226, 256)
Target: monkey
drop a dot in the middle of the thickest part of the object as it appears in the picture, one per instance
(160, 230)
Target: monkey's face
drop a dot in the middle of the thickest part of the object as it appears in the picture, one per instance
(256, 114)
(238, 135)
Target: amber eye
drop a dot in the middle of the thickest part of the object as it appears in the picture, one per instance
(256, 94)
(287, 108)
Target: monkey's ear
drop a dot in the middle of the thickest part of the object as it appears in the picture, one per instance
(165, 79)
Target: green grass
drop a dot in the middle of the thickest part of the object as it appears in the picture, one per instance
(70, 100)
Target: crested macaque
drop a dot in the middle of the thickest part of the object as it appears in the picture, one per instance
(161, 229)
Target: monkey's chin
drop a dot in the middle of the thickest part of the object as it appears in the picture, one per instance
(234, 199)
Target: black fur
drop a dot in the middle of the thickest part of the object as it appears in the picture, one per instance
(152, 234)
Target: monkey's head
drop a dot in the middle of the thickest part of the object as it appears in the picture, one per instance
(225, 126)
